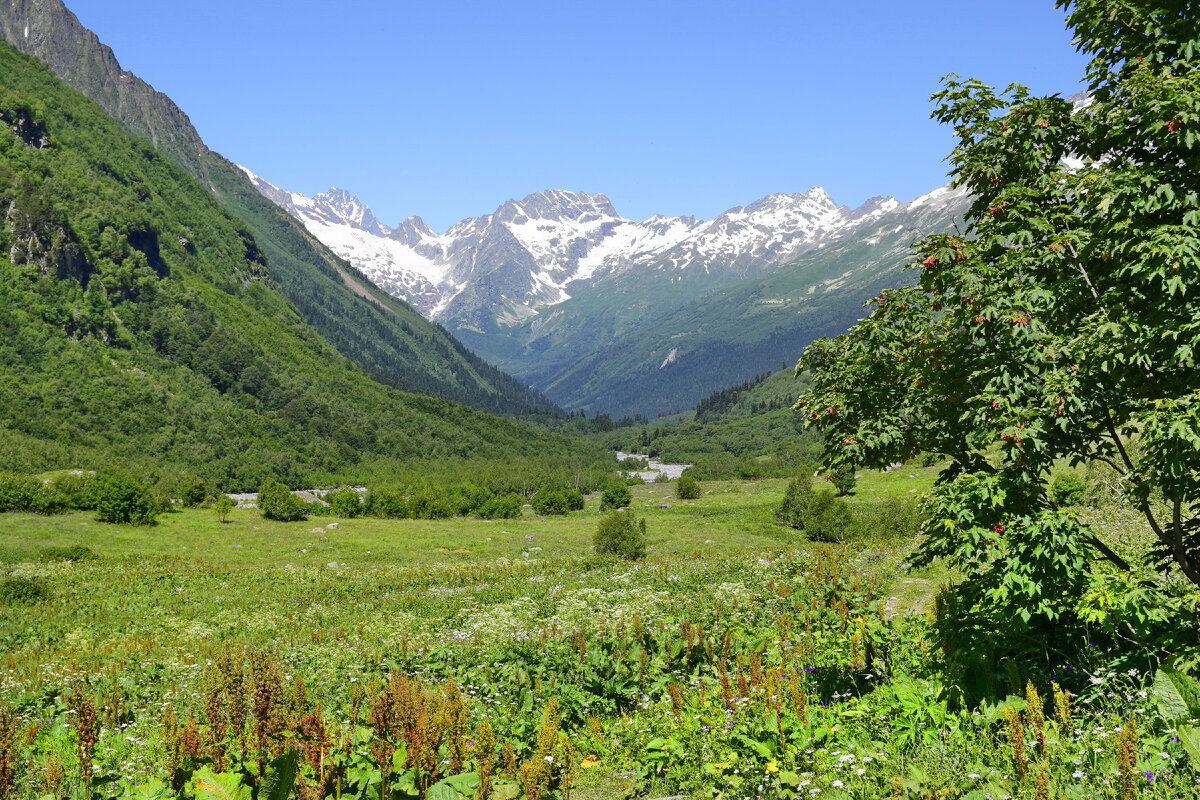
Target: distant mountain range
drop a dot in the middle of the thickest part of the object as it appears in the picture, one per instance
(561, 291)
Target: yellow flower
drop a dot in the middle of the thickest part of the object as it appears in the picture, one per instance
(772, 766)
(589, 762)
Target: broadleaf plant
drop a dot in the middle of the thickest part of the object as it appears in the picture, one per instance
(1060, 322)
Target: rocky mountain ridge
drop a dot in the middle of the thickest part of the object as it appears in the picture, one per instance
(536, 252)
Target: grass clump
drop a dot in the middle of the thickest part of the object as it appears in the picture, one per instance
(16, 590)
(75, 552)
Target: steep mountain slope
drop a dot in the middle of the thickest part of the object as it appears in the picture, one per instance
(384, 335)
(138, 323)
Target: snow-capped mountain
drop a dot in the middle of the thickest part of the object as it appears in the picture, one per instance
(506, 267)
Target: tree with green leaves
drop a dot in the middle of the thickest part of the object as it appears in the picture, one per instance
(1062, 322)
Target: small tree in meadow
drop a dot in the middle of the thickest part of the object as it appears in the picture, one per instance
(617, 495)
(223, 506)
(794, 508)
(688, 488)
(621, 534)
(843, 479)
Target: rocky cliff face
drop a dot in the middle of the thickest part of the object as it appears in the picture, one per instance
(48, 31)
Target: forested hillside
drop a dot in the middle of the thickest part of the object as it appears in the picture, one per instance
(139, 323)
(745, 430)
(384, 335)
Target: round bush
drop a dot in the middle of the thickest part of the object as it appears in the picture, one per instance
(615, 496)
(123, 500)
(549, 501)
(192, 491)
(345, 503)
(688, 488)
(621, 534)
(506, 507)
(277, 502)
(21, 591)
(1068, 489)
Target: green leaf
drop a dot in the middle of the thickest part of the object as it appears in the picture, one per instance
(1189, 737)
(1170, 702)
(209, 785)
(279, 777)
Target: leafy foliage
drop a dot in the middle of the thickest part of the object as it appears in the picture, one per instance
(277, 502)
(687, 488)
(1062, 327)
(120, 498)
(621, 534)
(616, 495)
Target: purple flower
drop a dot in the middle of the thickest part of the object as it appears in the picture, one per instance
(1149, 775)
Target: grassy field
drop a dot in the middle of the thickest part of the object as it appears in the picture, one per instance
(737, 658)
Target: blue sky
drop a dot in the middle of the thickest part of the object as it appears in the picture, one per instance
(447, 109)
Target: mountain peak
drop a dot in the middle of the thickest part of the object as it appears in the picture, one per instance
(412, 231)
(351, 209)
(559, 204)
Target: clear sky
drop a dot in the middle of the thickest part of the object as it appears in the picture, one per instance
(446, 109)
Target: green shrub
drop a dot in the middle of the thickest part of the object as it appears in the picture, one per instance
(829, 519)
(617, 495)
(1068, 489)
(621, 534)
(223, 506)
(345, 503)
(75, 552)
(688, 488)
(750, 470)
(74, 490)
(21, 591)
(504, 507)
(794, 508)
(549, 501)
(843, 479)
(429, 504)
(192, 491)
(27, 493)
(388, 502)
(277, 502)
(574, 499)
(122, 499)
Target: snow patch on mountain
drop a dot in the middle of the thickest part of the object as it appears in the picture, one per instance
(534, 253)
